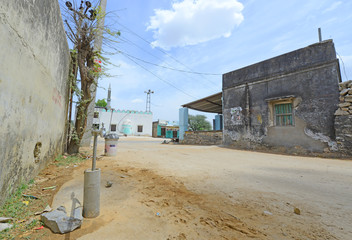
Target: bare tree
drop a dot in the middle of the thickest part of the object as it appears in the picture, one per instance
(83, 29)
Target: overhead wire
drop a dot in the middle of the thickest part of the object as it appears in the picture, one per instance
(161, 50)
(170, 68)
(343, 65)
(170, 84)
(125, 40)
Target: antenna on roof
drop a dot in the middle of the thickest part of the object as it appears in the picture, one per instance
(319, 33)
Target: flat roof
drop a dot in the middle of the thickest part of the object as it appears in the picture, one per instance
(211, 104)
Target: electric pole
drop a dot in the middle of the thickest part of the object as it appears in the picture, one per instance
(97, 47)
(149, 92)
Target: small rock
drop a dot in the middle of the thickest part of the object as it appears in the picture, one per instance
(345, 104)
(348, 99)
(47, 209)
(29, 221)
(339, 112)
(108, 184)
(344, 92)
(267, 213)
(4, 226)
(5, 219)
(297, 211)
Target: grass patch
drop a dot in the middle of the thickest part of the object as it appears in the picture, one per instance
(15, 208)
(24, 220)
(64, 160)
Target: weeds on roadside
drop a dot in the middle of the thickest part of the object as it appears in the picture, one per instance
(15, 208)
(63, 160)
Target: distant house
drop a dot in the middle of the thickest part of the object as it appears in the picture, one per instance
(165, 129)
(126, 122)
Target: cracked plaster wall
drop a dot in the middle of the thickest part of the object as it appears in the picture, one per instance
(33, 89)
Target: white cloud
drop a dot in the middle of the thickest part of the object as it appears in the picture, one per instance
(190, 22)
(332, 7)
(137, 100)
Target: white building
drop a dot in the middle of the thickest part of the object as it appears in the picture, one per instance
(127, 122)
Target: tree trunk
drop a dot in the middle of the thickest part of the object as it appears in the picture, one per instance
(73, 147)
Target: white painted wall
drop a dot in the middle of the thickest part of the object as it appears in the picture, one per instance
(118, 117)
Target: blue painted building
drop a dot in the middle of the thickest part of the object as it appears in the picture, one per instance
(165, 129)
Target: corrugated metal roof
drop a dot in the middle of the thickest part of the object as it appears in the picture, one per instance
(211, 104)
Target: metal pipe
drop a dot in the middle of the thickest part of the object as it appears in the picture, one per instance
(319, 32)
(95, 151)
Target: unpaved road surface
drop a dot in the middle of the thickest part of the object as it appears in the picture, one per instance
(167, 191)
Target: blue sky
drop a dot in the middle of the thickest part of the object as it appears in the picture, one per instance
(210, 36)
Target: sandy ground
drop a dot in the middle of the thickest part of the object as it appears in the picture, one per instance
(169, 191)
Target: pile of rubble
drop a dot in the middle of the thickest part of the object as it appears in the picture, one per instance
(345, 106)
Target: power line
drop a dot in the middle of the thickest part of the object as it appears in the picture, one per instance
(141, 48)
(159, 49)
(170, 68)
(343, 65)
(131, 59)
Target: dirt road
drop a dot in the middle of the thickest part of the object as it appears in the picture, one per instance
(167, 191)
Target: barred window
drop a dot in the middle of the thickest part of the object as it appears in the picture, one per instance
(283, 114)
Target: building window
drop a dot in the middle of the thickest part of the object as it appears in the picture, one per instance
(140, 128)
(113, 127)
(283, 114)
(96, 114)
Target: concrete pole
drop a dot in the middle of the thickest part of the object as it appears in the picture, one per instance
(86, 139)
(91, 189)
(183, 122)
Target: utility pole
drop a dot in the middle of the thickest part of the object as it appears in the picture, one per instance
(97, 47)
(149, 92)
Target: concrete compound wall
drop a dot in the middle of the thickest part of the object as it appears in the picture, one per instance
(33, 88)
(307, 77)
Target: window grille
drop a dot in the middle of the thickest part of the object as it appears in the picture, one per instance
(283, 114)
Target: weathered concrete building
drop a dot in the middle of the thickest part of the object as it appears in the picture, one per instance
(286, 101)
(33, 88)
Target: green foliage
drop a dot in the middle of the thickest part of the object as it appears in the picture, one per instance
(63, 160)
(198, 123)
(101, 103)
